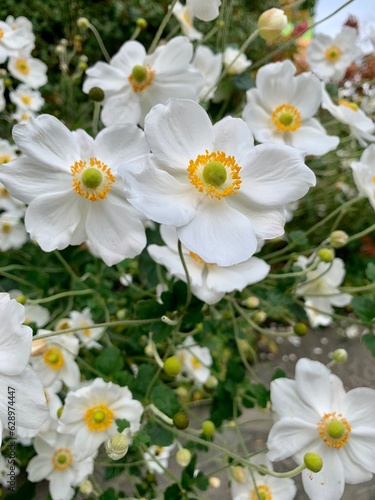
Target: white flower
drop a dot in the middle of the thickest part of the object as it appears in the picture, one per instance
(209, 282)
(56, 461)
(14, 39)
(360, 125)
(221, 192)
(316, 415)
(90, 414)
(27, 69)
(5, 470)
(234, 62)
(12, 232)
(329, 57)
(134, 82)
(16, 377)
(10, 204)
(69, 181)
(196, 360)
(364, 174)
(265, 486)
(280, 110)
(23, 115)
(27, 99)
(88, 336)
(7, 151)
(206, 10)
(185, 16)
(321, 290)
(56, 361)
(209, 66)
(156, 458)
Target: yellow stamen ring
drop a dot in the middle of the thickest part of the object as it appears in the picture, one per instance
(141, 77)
(93, 181)
(334, 429)
(53, 357)
(264, 492)
(332, 53)
(62, 459)
(286, 118)
(22, 66)
(99, 418)
(215, 173)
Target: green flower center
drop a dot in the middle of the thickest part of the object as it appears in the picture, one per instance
(214, 173)
(336, 429)
(139, 73)
(91, 178)
(286, 119)
(99, 416)
(62, 459)
(53, 357)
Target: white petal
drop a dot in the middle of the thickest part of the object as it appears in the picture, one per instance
(121, 108)
(358, 406)
(286, 402)
(106, 77)
(354, 472)
(311, 139)
(289, 436)
(308, 94)
(362, 447)
(233, 136)
(173, 57)
(313, 384)
(275, 84)
(39, 468)
(60, 487)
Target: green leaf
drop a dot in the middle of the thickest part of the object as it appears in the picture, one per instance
(165, 399)
(159, 435)
(27, 490)
(364, 308)
(109, 360)
(260, 393)
(141, 437)
(122, 424)
(173, 492)
(244, 81)
(370, 271)
(278, 373)
(369, 340)
(140, 384)
(298, 238)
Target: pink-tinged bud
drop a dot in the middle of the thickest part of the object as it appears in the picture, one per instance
(271, 24)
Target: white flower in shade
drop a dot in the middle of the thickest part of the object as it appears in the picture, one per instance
(156, 458)
(56, 360)
(27, 99)
(8, 152)
(23, 115)
(280, 110)
(2, 98)
(320, 290)
(69, 181)
(364, 174)
(28, 70)
(209, 282)
(209, 65)
(234, 62)
(35, 313)
(196, 360)
(88, 336)
(10, 204)
(360, 125)
(14, 37)
(185, 16)
(90, 414)
(134, 82)
(206, 10)
(56, 461)
(221, 192)
(5, 471)
(12, 232)
(315, 414)
(16, 377)
(329, 57)
(254, 485)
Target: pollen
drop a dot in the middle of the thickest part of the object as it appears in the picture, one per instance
(348, 104)
(334, 429)
(215, 174)
(62, 459)
(92, 180)
(1, 33)
(286, 118)
(22, 66)
(141, 77)
(187, 19)
(54, 358)
(4, 159)
(263, 492)
(99, 418)
(332, 53)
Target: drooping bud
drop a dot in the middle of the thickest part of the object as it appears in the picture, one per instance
(313, 461)
(183, 457)
(83, 23)
(326, 254)
(340, 356)
(239, 474)
(211, 382)
(117, 446)
(251, 302)
(338, 239)
(271, 24)
(181, 420)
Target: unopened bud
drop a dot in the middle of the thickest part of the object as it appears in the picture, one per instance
(239, 474)
(96, 94)
(340, 355)
(208, 428)
(59, 412)
(82, 65)
(21, 299)
(83, 23)
(86, 488)
(117, 446)
(149, 350)
(214, 482)
(259, 317)
(338, 239)
(181, 420)
(183, 457)
(300, 329)
(38, 347)
(313, 461)
(141, 23)
(211, 382)
(251, 302)
(326, 254)
(172, 366)
(271, 24)
(59, 49)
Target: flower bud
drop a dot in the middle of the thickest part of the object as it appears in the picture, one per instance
(271, 24)
(172, 366)
(211, 382)
(208, 428)
(326, 254)
(86, 488)
(338, 239)
(60, 49)
(214, 482)
(83, 23)
(239, 474)
(96, 94)
(38, 347)
(117, 446)
(259, 317)
(183, 457)
(82, 65)
(313, 461)
(300, 329)
(251, 302)
(149, 351)
(181, 420)
(340, 356)
(141, 23)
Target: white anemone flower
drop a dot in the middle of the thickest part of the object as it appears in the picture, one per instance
(16, 377)
(361, 126)
(209, 65)
(56, 461)
(8, 152)
(156, 458)
(13, 234)
(329, 57)
(195, 360)
(69, 181)
(208, 281)
(28, 70)
(134, 82)
(14, 38)
(90, 414)
(26, 98)
(235, 62)
(88, 336)
(10, 204)
(281, 109)
(364, 174)
(222, 193)
(205, 10)
(185, 16)
(315, 414)
(320, 290)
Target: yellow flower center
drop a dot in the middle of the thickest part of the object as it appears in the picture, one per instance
(53, 357)
(4, 159)
(26, 99)
(141, 77)
(186, 18)
(62, 459)
(333, 53)
(1, 33)
(92, 181)
(158, 450)
(286, 118)
(6, 227)
(215, 174)
(348, 104)
(195, 363)
(99, 418)
(334, 429)
(22, 66)
(86, 331)
(264, 492)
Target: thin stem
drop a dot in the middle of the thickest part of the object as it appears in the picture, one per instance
(95, 118)
(162, 26)
(188, 282)
(362, 233)
(100, 42)
(60, 296)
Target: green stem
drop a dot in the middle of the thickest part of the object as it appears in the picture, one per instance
(362, 233)
(95, 118)
(188, 282)
(100, 42)
(162, 26)
(60, 296)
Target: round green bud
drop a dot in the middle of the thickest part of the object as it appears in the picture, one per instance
(91, 178)
(338, 239)
(208, 428)
(251, 302)
(172, 366)
(21, 299)
(211, 382)
(8, 82)
(82, 66)
(86, 487)
(96, 94)
(121, 314)
(183, 457)
(220, 23)
(181, 420)
(83, 23)
(313, 461)
(326, 254)
(259, 317)
(150, 478)
(214, 173)
(141, 23)
(300, 329)
(340, 356)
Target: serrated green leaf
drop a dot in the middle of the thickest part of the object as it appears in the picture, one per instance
(109, 360)
(165, 399)
(364, 308)
(122, 424)
(159, 435)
